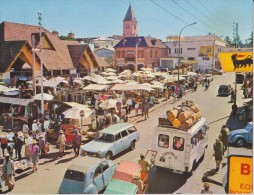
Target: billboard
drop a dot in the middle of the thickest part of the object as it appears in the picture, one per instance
(236, 61)
(240, 174)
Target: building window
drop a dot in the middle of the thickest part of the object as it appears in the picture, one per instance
(191, 48)
(177, 50)
(156, 53)
(127, 26)
(118, 53)
(134, 27)
(123, 54)
(142, 53)
(191, 58)
(151, 53)
(169, 50)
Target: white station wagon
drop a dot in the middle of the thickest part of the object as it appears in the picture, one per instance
(112, 140)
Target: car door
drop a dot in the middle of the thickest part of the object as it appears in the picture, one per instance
(118, 145)
(177, 155)
(250, 136)
(126, 139)
(107, 172)
(98, 178)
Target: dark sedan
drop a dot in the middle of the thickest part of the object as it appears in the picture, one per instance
(224, 90)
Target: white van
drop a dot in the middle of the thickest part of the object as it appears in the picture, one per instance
(179, 149)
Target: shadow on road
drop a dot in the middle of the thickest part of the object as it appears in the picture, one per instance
(164, 181)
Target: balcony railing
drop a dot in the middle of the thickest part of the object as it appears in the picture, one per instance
(130, 59)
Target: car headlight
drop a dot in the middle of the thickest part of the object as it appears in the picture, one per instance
(100, 154)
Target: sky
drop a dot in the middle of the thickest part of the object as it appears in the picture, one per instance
(157, 18)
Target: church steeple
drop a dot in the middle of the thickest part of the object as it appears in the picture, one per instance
(130, 22)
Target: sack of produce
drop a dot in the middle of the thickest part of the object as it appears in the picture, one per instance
(183, 116)
(195, 108)
(171, 115)
(186, 124)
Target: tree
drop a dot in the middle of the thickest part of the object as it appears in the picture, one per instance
(66, 38)
(251, 40)
(228, 41)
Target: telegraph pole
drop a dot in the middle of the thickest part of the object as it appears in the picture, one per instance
(236, 38)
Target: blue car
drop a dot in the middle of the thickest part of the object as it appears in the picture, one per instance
(241, 137)
(90, 177)
(112, 140)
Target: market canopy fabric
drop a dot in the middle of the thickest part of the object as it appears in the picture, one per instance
(131, 87)
(49, 83)
(95, 87)
(46, 96)
(110, 70)
(15, 101)
(109, 103)
(74, 113)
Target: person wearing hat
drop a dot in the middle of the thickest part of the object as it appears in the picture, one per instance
(28, 142)
(137, 181)
(224, 137)
(41, 145)
(9, 172)
(34, 150)
(206, 190)
(10, 147)
(218, 153)
(18, 145)
(34, 126)
(61, 142)
(144, 164)
(77, 138)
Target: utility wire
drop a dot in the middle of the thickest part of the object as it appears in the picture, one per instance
(200, 12)
(219, 19)
(175, 15)
(192, 15)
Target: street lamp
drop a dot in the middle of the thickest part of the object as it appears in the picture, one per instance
(213, 60)
(137, 43)
(179, 41)
(42, 101)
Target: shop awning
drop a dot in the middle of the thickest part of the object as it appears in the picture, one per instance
(130, 87)
(95, 87)
(49, 83)
(15, 101)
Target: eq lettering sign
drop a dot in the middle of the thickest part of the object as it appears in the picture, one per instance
(240, 174)
(236, 61)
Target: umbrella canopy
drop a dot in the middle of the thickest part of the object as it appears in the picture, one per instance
(118, 81)
(46, 96)
(110, 70)
(111, 74)
(109, 103)
(191, 74)
(74, 113)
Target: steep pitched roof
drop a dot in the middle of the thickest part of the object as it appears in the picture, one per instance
(143, 42)
(53, 59)
(130, 16)
(76, 52)
(101, 62)
(8, 52)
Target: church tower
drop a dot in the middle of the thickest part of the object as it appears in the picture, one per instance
(130, 27)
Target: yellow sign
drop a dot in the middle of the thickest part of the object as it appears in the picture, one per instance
(240, 174)
(236, 61)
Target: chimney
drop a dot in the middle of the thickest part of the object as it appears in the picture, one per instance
(71, 35)
(55, 33)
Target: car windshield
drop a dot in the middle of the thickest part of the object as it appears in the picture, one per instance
(249, 127)
(106, 137)
(74, 175)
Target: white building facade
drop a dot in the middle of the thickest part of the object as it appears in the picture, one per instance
(197, 48)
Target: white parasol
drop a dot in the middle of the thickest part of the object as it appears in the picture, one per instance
(46, 96)
(74, 113)
(107, 104)
(110, 70)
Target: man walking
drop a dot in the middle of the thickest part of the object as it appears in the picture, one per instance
(61, 142)
(76, 142)
(224, 137)
(218, 153)
(18, 145)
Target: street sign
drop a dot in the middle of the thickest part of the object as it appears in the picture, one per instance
(239, 174)
(236, 61)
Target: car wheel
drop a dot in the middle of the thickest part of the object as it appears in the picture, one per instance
(132, 146)
(240, 142)
(108, 155)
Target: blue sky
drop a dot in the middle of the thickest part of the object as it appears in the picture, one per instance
(158, 18)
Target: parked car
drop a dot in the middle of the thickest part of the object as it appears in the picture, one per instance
(112, 140)
(121, 187)
(241, 137)
(90, 177)
(224, 90)
(216, 72)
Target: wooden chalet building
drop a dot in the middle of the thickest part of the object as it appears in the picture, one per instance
(59, 57)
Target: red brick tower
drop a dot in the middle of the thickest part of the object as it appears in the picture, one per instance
(130, 27)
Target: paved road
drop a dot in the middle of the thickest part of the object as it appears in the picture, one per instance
(215, 109)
